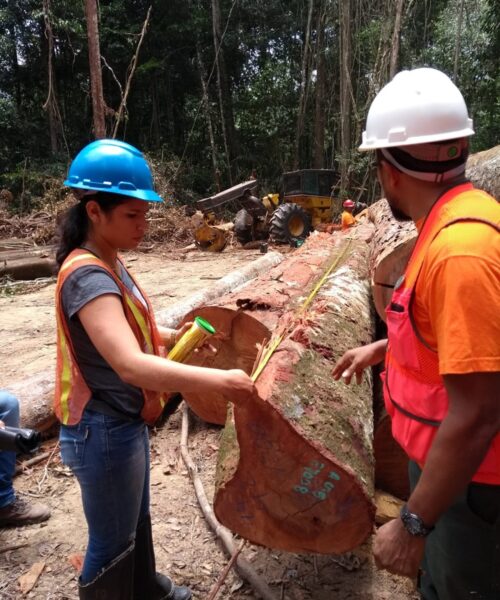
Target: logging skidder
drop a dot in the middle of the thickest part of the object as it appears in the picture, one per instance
(442, 356)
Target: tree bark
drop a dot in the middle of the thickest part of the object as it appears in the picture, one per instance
(223, 89)
(483, 169)
(295, 467)
(319, 114)
(458, 36)
(206, 104)
(36, 398)
(390, 248)
(304, 87)
(27, 268)
(345, 89)
(396, 35)
(98, 105)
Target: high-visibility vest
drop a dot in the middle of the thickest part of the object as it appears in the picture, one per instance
(414, 391)
(72, 392)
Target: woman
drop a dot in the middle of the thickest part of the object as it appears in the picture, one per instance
(110, 374)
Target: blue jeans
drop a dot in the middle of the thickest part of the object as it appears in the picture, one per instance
(9, 414)
(110, 459)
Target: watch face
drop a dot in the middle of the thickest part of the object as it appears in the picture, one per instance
(413, 523)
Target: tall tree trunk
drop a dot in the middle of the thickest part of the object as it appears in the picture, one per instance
(304, 86)
(206, 104)
(457, 40)
(396, 34)
(98, 105)
(345, 91)
(224, 93)
(51, 103)
(319, 116)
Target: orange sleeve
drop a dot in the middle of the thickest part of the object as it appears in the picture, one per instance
(462, 297)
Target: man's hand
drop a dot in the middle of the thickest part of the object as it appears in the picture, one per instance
(396, 551)
(2, 425)
(355, 361)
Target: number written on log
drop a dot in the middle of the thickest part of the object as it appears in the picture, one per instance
(309, 474)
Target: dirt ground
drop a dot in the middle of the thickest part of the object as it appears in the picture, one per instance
(186, 548)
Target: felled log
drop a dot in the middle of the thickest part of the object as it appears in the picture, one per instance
(36, 396)
(483, 169)
(295, 469)
(173, 315)
(390, 248)
(245, 318)
(27, 268)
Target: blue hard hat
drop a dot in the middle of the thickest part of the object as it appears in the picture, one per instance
(112, 166)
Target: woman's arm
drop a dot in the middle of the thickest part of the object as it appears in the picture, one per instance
(104, 321)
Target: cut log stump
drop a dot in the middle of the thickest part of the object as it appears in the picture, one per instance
(295, 469)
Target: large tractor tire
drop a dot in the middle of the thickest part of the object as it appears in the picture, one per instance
(243, 226)
(289, 221)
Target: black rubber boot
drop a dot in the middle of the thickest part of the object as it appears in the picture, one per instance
(148, 584)
(115, 582)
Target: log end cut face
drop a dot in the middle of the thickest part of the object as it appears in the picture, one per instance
(288, 493)
(237, 343)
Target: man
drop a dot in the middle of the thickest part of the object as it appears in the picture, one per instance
(348, 219)
(14, 510)
(442, 356)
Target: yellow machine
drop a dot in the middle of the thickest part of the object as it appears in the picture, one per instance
(305, 201)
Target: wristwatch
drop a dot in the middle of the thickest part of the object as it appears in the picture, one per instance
(413, 523)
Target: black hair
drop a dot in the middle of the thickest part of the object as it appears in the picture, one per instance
(74, 227)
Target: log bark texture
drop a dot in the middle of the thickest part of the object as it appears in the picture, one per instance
(483, 169)
(245, 318)
(28, 268)
(173, 316)
(36, 397)
(295, 467)
(391, 246)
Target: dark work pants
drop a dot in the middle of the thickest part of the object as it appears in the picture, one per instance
(462, 554)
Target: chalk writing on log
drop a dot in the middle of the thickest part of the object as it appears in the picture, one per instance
(309, 474)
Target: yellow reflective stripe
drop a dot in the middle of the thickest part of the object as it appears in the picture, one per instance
(142, 324)
(65, 375)
(68, 263)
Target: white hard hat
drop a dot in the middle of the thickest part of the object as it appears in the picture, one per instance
(416, 107)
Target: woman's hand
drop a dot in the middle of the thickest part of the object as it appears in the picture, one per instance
(178, 333)
(237, 386)
(355, 361)
(2, 425)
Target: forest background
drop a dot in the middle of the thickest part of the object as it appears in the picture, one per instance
(223, 89)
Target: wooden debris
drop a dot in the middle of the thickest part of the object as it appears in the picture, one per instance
(388, 507)
(28, 581)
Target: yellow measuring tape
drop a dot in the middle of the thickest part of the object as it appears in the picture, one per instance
(275, 341)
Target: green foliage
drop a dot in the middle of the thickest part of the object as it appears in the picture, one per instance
(262, 47)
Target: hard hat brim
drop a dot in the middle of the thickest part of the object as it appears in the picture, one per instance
(145, 195)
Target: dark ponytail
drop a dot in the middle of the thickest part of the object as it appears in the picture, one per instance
(74, 227)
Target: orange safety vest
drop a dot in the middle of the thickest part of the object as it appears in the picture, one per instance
(414, 391)
(72, 392)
